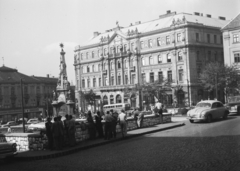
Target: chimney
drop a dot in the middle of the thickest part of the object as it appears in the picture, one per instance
(130, 24)
(197, 13)
(168, 11)
(47, 75)
(95, 34)
(208, 15)
(138, 22)
(221, 18)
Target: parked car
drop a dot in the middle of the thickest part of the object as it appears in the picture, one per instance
(10, 123)
(7, 150)
(36, 127)
(33, 121)
(233, 107)
(207, 110)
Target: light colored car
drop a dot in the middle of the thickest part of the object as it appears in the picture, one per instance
(36, 127)
(10, 123)
(33, 121)
(7, 150)
(207, 110)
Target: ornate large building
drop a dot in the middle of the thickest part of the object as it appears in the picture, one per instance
(176, 46)
(37, 94)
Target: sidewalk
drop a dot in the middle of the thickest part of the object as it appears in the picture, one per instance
(46, 154)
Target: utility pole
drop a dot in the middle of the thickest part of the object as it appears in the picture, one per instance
(22, 107)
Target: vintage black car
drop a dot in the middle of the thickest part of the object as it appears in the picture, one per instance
(7, 150)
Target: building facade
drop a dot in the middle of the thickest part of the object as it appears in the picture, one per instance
(174, 47)
(37, 94)
(231, 43)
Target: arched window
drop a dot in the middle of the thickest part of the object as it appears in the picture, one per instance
(111, 50)
(118, 99)
(81, 56)
(105, 100)
(83, 83)
(93, 70)
(88, 69)
(150, 60)
(111, 99)
(119, 64)
(143, 61)
(94, 82)
(169, 59)
(92, 54)
(87, 55)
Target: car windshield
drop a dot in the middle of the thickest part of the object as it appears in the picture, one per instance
(203, 105)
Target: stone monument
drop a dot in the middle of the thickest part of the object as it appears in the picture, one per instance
(62, 102)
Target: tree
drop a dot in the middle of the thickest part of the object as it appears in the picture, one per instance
(217, 75)
(155, 89)
(89, 96)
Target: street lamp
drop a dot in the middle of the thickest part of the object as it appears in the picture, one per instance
(188, 93)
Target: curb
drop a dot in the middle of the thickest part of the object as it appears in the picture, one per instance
(67, 152)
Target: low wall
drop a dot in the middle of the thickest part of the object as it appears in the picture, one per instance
(34, 142)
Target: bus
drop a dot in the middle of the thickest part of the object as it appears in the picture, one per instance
(116, 107)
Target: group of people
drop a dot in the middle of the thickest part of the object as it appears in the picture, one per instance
(111, 119)
(60, 133)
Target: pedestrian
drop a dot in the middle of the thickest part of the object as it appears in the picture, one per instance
(108, 125)
(71, 131)
(114, 123)
(66, 128)
(140, 119)
(159, 106)
(9, 129)
(61, 127)
(56, 134)
(122, 119)
(98, 124)
(91, 126)
(48, 126)
(135, 115)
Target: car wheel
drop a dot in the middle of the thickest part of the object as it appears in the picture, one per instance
(209, 118)
(225, 115)
(191, 120)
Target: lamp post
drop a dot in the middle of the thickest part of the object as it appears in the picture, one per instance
(188, 93)
(216, 80)
(22, 106)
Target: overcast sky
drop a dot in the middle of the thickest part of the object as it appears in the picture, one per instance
(31, 30)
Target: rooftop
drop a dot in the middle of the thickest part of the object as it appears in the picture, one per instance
(164, 21)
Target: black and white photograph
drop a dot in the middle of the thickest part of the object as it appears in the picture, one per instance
(120, 85)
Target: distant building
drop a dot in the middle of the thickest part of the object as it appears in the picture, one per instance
(36, 92)
(174, 46)
(231, 43)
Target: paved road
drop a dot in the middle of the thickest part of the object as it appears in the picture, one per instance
(193, 147)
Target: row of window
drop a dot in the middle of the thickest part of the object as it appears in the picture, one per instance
(119, 80)
(197, 36)
(112, 80)
(160, 41)
(160, 76)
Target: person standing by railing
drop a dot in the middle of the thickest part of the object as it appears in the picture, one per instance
(122, 119)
